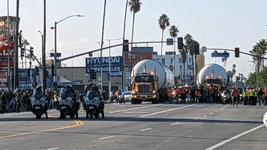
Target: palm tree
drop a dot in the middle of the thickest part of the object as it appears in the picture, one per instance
(135, 6)
(259, 50)
(173, 33)
(163, 23)
(183, 53)
(189, 44)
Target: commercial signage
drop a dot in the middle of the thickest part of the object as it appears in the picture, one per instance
(94, 63)
(136, 57)
(4, 54)
(216, 54)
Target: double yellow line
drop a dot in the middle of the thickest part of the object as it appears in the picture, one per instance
(78, 123)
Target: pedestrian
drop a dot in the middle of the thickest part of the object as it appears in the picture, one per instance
(234, 97)
(261, 101)
(55, 99)
(211, 93)
(245, 96)
(177, 93)
(170, 98)
(189, 95)
(193, 95)
(183, 95)
(197, 93)
(265, 96)
(251, 96)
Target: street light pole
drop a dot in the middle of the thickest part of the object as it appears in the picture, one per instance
(43, 62)
(55, 55)
(103, 28)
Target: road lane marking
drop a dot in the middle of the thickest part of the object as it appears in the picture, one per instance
(160, 112)
(233, 138)
(145, 129)
(204, 116)
(139, 112)
(106, 138)
(216, 111)
(174, 123)
(78, 124)
(53, 148)
(211, 113)
(128, 109)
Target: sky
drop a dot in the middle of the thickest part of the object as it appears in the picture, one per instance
(214, 24)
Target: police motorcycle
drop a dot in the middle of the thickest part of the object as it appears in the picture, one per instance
(67, 103)
(225, 97)
(93, 104)
(39, 103)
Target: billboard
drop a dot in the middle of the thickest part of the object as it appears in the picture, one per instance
(136, 57)
(4, 54)
(94, 63)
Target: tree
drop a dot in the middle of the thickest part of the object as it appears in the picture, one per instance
(173, 33)
(135, 6)
(259, 50)
(183, 53)
(189, 45)
(163, 22)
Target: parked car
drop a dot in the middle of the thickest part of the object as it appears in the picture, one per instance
(127, 96)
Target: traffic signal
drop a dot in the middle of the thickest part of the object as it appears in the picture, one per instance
(236, 52)
(37, 71)
(31, 51)
(52, 69)
(125, 46)
(22, 52)
(92, 74)
(180, 43)
(28, 72)
(196, 48)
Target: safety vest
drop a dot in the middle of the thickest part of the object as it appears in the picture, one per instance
(251, 93)
(197, 94)
(265, 93)
(255, 93)
(55, 98)
(211, 90)
(177, 92)
(248, 92)
(244, 94)
(235, 93)
(169, 92)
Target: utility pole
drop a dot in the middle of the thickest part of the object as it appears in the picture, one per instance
(16, 49)
(43, 49)
(8, 36)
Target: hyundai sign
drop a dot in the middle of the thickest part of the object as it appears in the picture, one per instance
(94, 63)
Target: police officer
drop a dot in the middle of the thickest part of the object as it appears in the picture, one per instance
(39, 92)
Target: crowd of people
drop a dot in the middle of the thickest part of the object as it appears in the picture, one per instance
(19, 100)
(212, 94)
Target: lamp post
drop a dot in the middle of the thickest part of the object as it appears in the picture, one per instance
(43, 61)
(55, 55)
(109, 85)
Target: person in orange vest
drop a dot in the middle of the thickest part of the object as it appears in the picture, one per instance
(234, 95)
(248, 96)
(169, 91)
(177, 93)
(264, 96)
(183, 95)
(189, 94)
(211, 93)
(197, 93)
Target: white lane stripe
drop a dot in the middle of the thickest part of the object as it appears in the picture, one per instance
(145, 129)
(233, 138)
(174, 123)
(53, 148)
(128, 109)
(204, 116)
(160, 112)
(211, 113)
(106, 138)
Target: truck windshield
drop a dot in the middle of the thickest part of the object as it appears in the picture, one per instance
(144, 79)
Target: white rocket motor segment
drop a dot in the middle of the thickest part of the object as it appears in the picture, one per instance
(150, 66)
(265, 119)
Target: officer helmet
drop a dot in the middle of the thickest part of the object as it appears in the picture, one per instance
(68, 86)
(39, 88)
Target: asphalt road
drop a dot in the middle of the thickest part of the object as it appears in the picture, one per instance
(144, 126)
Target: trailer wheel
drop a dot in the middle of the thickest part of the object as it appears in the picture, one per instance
(133, 101)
